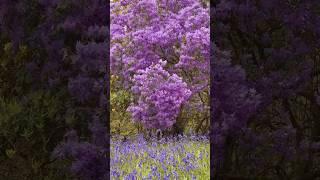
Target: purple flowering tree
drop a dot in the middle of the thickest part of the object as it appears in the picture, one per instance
(145, 33)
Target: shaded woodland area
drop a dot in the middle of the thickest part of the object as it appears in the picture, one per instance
(276, 46)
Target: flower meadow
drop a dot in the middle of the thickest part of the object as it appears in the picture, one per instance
(178, 157)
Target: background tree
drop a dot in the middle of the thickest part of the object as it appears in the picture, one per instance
(276, 43)
(53, 73)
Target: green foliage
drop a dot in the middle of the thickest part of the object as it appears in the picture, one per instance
(30, 128)
(198, 121)
(31, 120)
(121, 123)
(13, 76)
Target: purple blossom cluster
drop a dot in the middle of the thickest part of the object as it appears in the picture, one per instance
(161, 96)
(89, 158)
(233, 102)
